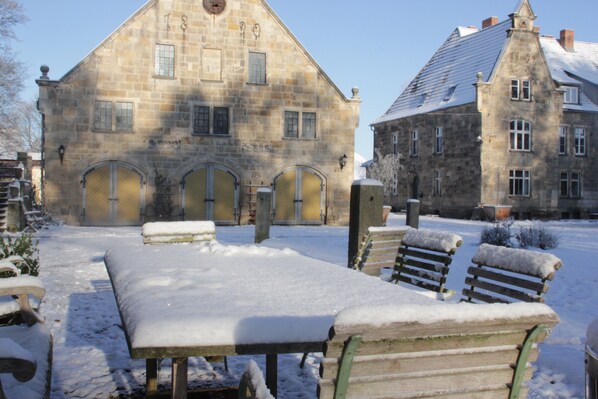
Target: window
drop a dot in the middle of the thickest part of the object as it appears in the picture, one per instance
(111, 116)
(164, 61)
(571, 95)
(257, 68)
(521, 90)
(395, 183)
(437, 188)
(210, 120)
(438, 145)
(570, 185)
(414, 143)
(519, 182)
(124, 116)
(304, 122)
(562, 140)
(103, 115)
(580, 141)
(449, 93)
(395, 143)
(422, 99)
(520, 135)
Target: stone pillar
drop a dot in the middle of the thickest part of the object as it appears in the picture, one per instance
(15, 219)
(262, 214)
(413, 213)
(367, 198)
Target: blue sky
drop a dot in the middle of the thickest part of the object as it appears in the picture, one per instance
(378, 46)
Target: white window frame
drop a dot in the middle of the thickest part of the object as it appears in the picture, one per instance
(580, 141)
(439, 141)
(520, 136)
(414, 150)
(161, 70)
(519, 183)
(255, 76)
(515, 89)
(570, 185)
(395, 143)
(563, 133)
(571, 95)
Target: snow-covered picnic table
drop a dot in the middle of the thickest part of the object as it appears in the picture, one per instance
(182, 301)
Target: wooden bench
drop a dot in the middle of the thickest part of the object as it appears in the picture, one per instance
(424, 257)
(25, 349)
(447, 351)
(178, 232)
(378, 249)
(506, 275)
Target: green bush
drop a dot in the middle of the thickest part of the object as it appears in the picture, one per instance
(24, 246)
(497, 234)
(537, 236)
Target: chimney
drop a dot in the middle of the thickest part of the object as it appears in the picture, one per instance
(567, 39)
(489, 22)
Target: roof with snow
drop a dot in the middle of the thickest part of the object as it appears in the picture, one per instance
(448, 79)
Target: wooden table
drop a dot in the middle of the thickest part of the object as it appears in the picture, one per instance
(182, 301)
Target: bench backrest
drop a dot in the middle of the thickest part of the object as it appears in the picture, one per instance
(378, 249)
(509, 275)
(446, 358)
(424, 257)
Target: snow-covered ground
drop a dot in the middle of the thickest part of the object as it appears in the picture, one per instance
(91, 358)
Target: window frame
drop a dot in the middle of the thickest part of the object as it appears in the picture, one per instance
(570, 185)
(395, 143)
(520, 139)
(414, 147)
(580, 141)
(253, 78)
(212, 125)
(520, 183)
(515, 87)
(439, 140)
(159, 70)
(569, 92)
(437, 183)
(299, 128)
(111, 118)
(563, 140)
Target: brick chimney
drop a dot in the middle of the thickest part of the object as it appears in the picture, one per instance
(489, 22)
(567, 39)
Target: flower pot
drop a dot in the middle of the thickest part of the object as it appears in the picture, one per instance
(496, 213)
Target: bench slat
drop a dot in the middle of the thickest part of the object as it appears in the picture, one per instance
(502, 290)
(437, 257)
(511, 280)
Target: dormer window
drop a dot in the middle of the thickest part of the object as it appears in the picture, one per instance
(449, 93)
(422, 99)
(571, 94)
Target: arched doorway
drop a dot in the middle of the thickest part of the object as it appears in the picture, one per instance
(210, 192)
(113, 195)
(299, 197)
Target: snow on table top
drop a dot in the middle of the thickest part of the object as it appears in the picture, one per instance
(170, 228)
(438, 312)
(517, 260)
(432, 239)
(177, 296)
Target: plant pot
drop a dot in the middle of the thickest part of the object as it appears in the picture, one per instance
(385, 212)
(496, 213)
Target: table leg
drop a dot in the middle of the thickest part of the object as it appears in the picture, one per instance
(179, 378)
(151, 377)
(272, 373)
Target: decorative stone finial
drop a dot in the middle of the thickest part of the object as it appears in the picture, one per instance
(480, 76)
(355, 92)
(44, 70)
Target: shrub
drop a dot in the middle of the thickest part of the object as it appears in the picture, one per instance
(25, 247)
(497, 234)
(537, 236)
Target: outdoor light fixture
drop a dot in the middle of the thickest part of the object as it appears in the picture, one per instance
(61, 150)
(342, 161)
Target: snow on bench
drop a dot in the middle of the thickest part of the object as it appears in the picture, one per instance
(178, 232)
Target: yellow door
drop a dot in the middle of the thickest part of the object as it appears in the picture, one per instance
(211, 193)
(113, 196)
(299, 197)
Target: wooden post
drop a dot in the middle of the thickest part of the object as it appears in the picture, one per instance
(367, 197)
(151, 377)
(413, 213)
(272, 373)
(179, 378)
(262, 214)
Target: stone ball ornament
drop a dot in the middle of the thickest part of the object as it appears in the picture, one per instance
(214, 6)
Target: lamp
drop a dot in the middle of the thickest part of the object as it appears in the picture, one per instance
(342, 161)
(61, 150)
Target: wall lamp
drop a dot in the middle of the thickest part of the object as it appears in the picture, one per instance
(342, 161)
(61, 151)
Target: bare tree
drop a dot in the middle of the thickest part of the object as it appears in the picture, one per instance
(385, 168)
(11, 76)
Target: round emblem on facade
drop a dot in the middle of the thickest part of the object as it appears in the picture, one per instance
(214, 6)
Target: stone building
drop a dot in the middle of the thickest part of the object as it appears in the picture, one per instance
(499, 116)
(186, 110)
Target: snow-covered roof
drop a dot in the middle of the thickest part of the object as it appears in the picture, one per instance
(568, 67)
(447, 79)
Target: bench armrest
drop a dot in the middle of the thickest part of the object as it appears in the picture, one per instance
(17, 361)
(21, 287)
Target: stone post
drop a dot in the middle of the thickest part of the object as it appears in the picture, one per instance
(15, 219)
(367, 198)
(413, 213)
(262, 214)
